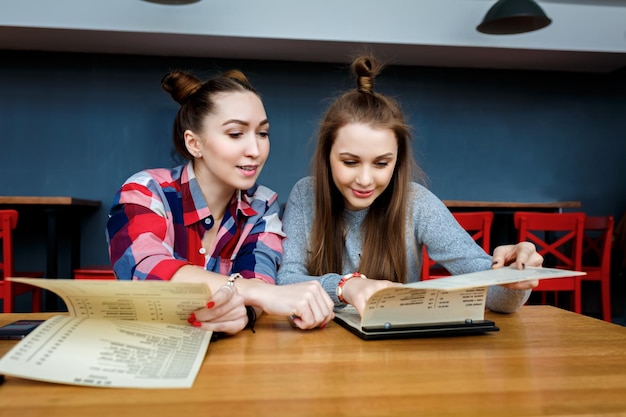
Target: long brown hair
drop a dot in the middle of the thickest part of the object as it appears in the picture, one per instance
(384, 251)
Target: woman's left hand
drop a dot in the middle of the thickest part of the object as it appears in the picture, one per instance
(522, 254)
(224, 312)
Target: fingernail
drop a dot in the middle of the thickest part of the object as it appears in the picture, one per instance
(192, 318)
(323, 326)
(196, 324)
(210, 304)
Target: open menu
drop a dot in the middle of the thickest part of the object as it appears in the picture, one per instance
(120, 334)
(444, 306)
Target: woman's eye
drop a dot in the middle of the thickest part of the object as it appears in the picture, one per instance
(349, 162)
(382, 164)
(264, 134)
(235, 135)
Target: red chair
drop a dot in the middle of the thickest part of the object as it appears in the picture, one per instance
(597, 245)
(9, 290)
(477, 224)
(559, 239)
(95, 272)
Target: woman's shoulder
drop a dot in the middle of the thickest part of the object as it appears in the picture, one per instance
(300, 197)
(307, 181)
(420, 192)
(302, 192)
(304, 185)
(158, 175)
(424, 200)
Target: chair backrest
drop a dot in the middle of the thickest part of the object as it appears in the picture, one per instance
(477, 224)
(95, 272)
(598, 240)
(8, 222)
(557, 236)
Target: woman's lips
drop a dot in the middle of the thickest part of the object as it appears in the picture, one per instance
(248, 170)
(362, 193)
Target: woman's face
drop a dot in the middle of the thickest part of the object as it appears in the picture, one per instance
(234, 142)
(362, 161)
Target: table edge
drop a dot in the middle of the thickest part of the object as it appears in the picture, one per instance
(48, 200)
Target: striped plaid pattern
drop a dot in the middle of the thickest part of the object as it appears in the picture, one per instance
(158, 217)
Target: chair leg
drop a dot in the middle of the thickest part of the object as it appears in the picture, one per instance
(36, 300)
(606, 301)
(578, 302)
(8, 303)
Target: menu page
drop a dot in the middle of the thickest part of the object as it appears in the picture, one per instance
(124, 334)
(163, 301)
(506, 275)
(402, 305)
(109, 353)
(449, 299)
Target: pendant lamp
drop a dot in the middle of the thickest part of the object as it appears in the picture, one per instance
(508, 17)
(172, 2)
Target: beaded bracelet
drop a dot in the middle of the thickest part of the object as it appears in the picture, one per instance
(344, 279)
(250, 312)
(232, 278)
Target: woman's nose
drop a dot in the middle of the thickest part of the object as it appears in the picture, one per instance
(364, 177)
(252, 147)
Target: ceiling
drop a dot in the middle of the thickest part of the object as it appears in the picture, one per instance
(247, 31)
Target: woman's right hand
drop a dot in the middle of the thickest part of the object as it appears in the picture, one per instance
(357, 291)
(306, 303)
(224, 312)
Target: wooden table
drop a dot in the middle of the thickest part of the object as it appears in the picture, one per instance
(543, 362)
(62, 222)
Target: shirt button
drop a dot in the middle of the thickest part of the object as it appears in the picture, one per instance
(209, 220)
(202, 251)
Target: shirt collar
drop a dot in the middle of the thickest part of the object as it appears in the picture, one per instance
(195, 207)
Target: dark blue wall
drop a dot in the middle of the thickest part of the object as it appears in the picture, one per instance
(79, 125)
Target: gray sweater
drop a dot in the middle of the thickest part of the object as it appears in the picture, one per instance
(430, 223)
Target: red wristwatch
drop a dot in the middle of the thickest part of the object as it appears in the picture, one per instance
(341, 283)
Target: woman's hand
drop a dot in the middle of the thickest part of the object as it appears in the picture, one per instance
(357, 291)
(522, 254)
(306, 303)
(225, 312)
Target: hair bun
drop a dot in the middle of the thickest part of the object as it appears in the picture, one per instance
(366, 68)
(180, 85)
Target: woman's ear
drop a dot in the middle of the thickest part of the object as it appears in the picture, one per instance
(192, 142)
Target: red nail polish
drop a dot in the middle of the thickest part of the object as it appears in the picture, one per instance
(196, 324)
(192, 318)
(323, 326)
(210, 304)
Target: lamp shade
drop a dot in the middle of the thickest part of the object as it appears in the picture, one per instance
(508, 17)
(173, 2)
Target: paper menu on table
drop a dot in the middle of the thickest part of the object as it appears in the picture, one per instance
(109, 353)
(506, 275)
(121, 334)
(162, 301)
(403, 306)
(453, 298)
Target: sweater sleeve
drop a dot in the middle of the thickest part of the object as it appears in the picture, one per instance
(451, 246)
(297, 222)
